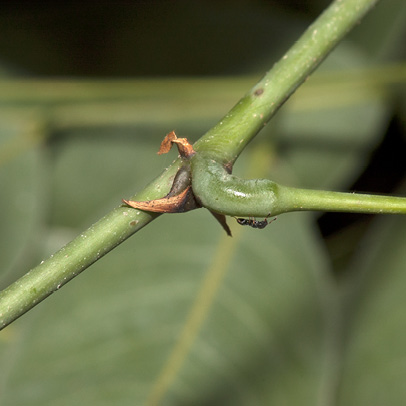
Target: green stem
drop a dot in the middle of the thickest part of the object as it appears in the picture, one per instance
(228, 138)
(80, 253)
(292, 199)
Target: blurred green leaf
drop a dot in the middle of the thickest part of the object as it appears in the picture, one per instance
(94, 169)
(331, 126)
(374, 365)
(23, 195)
(109, 333)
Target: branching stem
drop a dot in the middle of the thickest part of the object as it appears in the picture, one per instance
(223, 143)
(223, 193)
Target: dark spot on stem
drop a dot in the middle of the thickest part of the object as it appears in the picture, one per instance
(258, 92)
(228, 167)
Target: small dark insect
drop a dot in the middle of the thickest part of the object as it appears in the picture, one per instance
(254, 223)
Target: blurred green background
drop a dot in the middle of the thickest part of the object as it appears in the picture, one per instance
(309, 311)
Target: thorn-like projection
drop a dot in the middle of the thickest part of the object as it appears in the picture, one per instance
(184, 147)
(168, 204)
(221, 218)
(181, 197)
